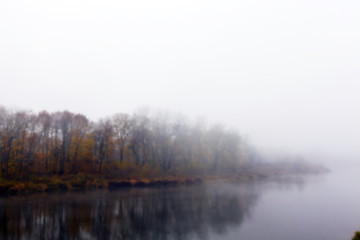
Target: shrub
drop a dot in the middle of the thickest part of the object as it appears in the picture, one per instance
(357, 236)
(19, 187)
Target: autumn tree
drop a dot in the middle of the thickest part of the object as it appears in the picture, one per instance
(13, 125)
(67, 143)
(79, 130)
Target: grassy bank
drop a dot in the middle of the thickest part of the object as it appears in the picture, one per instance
(90, 181)
(87, 182)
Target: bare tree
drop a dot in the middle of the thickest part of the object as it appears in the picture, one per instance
(66, 121)
(80, 128)
(121, 123)
(103, 135)
(45, 122)
(140, 136)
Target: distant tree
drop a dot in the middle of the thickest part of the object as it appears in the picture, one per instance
(67, 143)
(163, 141)
(103, 135)
(13, 125)
(55, 141)
(79, 130)
(216, 140)
(45, 123)
(121, 123)
(31, 143)
(139, 142)
(66, 121)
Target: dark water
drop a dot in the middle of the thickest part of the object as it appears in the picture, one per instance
(312, 208)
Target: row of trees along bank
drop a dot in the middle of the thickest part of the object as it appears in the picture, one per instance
(146, 144)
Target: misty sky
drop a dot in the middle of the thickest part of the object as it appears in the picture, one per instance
(284, 73)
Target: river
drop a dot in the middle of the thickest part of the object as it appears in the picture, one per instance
(322, 207)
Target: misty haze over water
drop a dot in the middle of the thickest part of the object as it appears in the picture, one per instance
(283, 74)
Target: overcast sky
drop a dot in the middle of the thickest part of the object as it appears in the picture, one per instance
(284, 73)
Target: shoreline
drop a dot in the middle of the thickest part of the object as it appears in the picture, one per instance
(84, 182)
(74, 184)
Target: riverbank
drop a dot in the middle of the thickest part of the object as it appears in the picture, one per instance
(91, 181)
(87, 182)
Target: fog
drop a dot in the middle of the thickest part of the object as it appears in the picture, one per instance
(284, 73)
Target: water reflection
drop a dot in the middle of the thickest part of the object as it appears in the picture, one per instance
(169, 213)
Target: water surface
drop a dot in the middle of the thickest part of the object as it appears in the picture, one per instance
(313, 208)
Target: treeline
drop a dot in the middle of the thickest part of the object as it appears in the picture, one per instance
(60, 143)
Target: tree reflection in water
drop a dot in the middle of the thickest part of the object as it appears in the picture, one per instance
(167, 213)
